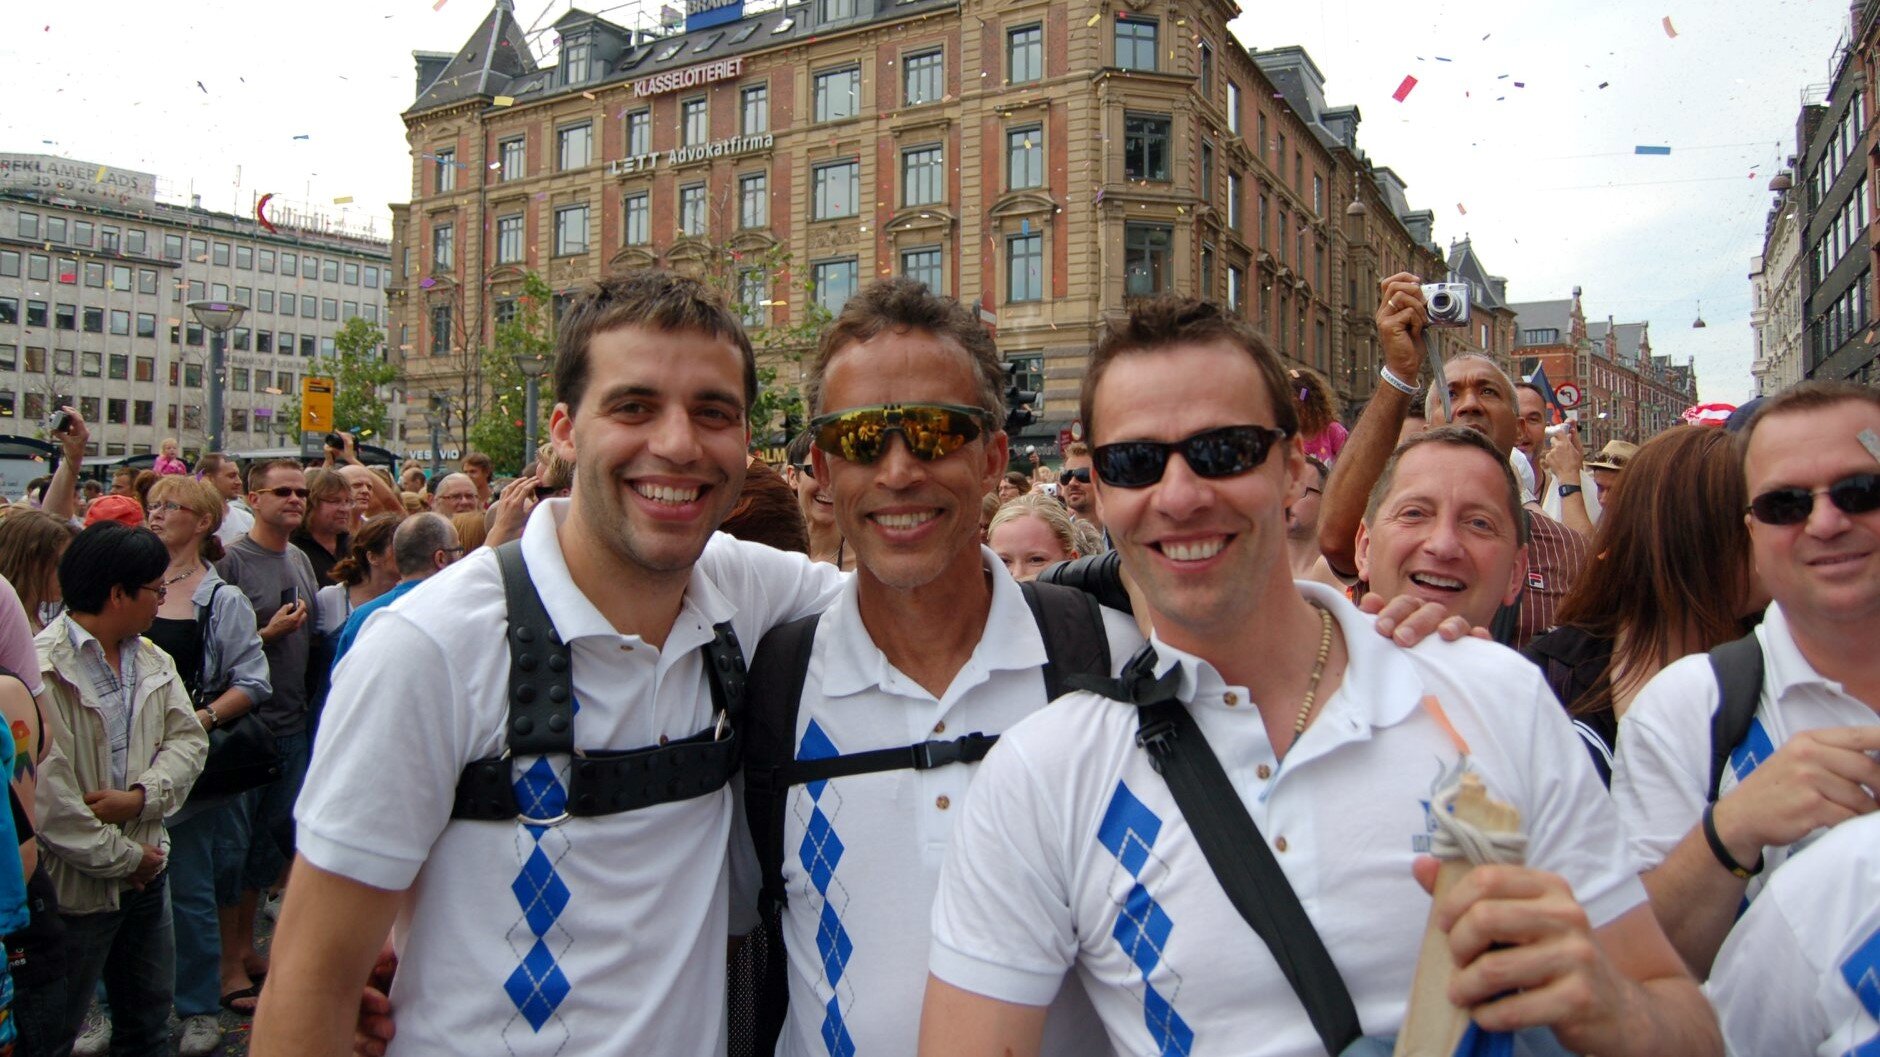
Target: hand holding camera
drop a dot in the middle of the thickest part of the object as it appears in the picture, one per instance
(1401, 317)
(67, 429)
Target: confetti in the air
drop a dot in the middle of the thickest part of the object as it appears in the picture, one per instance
(1403, 90)
(1645, 149)
(503, 100)
(1670, 30)
(1460, 208)
(343, 200)
(427, 282)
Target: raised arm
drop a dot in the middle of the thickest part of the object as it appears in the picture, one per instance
(330, 934)
(61, 499)
(1400, 318)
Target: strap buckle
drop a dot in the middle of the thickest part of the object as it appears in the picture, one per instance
(931, 754)
(549, 823)
(1158, 738)
(721, 725)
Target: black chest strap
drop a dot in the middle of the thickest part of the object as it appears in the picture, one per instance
(541, 722)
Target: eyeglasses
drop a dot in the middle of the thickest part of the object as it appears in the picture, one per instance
(166, 508)
(1222, 452)
(162, 591)
(1082, 473)
(1854, 494)
(286, 491)
(1314, 491)
(807, 469)
(932, 431)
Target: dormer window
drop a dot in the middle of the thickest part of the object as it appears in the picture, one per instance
(574, 63)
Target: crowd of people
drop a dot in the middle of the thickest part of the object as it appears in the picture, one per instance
(1197, 712)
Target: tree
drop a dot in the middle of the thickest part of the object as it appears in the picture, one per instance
(359, 369)
(749, 279)
(524, 330)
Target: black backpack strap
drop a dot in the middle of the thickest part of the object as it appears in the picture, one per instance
(1738, 665)
(541, 722)
(1235, 849)
(1071, 622)
(778, 669)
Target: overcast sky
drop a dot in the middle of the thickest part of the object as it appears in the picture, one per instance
(210, 96)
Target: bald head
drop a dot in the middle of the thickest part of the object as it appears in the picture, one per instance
(456, 494)
(423, 544)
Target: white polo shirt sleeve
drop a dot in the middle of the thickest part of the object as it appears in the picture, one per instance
(406, 744)
(1002, 921)
(1663, 764)
(768, 586)
(1763, 986)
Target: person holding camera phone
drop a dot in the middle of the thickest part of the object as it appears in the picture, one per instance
(278, 581)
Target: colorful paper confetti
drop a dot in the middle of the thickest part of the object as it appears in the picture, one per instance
(503, 100)
(1644, 149)
(1670, 30)
(1403, 90)
(427, 282)
(343, 200)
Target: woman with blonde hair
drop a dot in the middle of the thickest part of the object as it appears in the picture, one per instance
(1030, 533)
(208, 628)
(472, 528)
(31, 544)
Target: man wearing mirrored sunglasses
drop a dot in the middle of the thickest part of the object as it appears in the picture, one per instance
(1073, 850)
(931, 642)
(1808, 761)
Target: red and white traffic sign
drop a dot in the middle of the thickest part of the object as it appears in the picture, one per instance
(1568, 394)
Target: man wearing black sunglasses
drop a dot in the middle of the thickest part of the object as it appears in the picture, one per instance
(1076, 850)
(1808, 761)
(1074, 484)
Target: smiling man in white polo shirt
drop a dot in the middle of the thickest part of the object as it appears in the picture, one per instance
(1072, 850)
(930, 641)
(603, 933)
(1805, 764)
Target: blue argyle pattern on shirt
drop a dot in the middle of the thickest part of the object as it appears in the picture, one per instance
(1128, 831)
(538, 986)
(1749, 755)
(820, 853)
(1861, 971)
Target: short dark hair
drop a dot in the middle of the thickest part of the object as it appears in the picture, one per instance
(1808, 396)
(107, 555)
(259, 471)
(796, 453)
(210, 464)
(480, 461)
(1158, 322)
(901, 304)
(1323, 471)
(645, 297)
(1455, 437)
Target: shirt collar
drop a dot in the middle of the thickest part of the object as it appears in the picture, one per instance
(1379, 688)
(1785, 666)
(853, 664)
(575, 616)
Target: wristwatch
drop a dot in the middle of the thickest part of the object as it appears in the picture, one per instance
(214, 720)
(1569, 489)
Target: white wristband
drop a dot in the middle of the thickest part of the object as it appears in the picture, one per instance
(1395, 382)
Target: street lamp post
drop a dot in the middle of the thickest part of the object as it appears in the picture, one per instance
(218, 317)
(533, 367)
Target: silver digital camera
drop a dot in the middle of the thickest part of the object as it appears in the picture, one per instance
(1448, 304)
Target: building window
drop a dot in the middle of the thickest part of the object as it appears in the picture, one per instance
(1146, 253)
(94, 321)
(1135, 43)
(36, 314)
(923, 77)
(443, 247)
(834, 10)
(29, 225)
(245, 257)
(329, 270)
(238, 379)
(146, 325)
(55, 228)
(1207, 272)
(572, 146)
(9, 264)
(834, 283)
(574, 64)
(444, 171)
(754, 109)
(147, 281)
(921, 172)
(1024, 157)
(372, 277)
(146, 368)
(1207, 80)
(199, 251)
(1207, 172)
(1318, 194)
(694, 122)
(309, 306)
(1024, 54)
(115, 411)
(1262, 219)
(120, 323)
(135, 241)
(267, 261)
(90, 364)
(1236, 289)
(118, 367)
(838, 189)
(142, 412)
(1026, 370)
(638, 219)
(752, 294)
(65, 317)
(838, 94)
(923, 265)
(38, 266)
(94, 275)
(509, 239)
(1024, 267)
(513, 159)
(639, 133)
(1145, 147)
(571, 231)
(1233, 108)
(329, 309)
(1233, 202)
(440, 330)
(754, 200)
(692, 209)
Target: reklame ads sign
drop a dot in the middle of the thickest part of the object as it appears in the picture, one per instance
(689, 77)
(703, 14)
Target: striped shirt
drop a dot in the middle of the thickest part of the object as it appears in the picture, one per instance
(115, 694)
(1556, 554)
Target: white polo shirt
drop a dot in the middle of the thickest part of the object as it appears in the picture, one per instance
(601, 935)
(1072, 851)
(1660, 774)
(862, 853)
(1800, 973)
